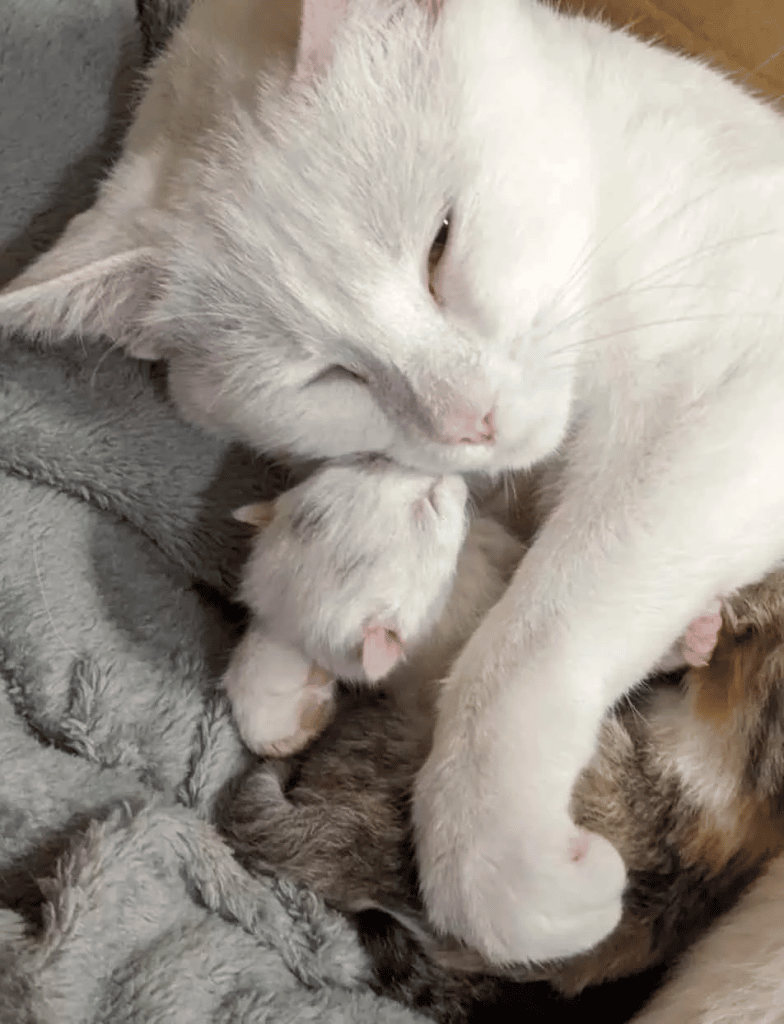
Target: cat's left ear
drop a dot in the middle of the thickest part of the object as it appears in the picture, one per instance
(59, 297)
(382, 649)
(320, 19)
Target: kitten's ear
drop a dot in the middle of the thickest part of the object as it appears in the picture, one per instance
(97, 279)
(319, 20)
(382, 649)
(258, 515)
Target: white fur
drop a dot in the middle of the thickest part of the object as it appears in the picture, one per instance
(613, 286)
(270, 685)
(351, 546)
(735, 974)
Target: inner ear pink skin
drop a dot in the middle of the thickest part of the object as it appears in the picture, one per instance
(382, 649)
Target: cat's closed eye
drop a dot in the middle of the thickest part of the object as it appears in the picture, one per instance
(337, 374)
(437, 249)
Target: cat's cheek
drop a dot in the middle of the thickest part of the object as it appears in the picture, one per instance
(196, 394)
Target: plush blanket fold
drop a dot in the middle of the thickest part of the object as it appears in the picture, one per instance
(118, 900)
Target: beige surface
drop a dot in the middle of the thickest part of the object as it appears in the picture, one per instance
(746, 37)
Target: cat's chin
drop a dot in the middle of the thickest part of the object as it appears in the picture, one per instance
(486, 459)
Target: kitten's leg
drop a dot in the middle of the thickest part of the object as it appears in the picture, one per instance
(625, 561)
(280, 699)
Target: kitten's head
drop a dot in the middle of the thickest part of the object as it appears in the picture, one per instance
(361, 248)
(353, 566)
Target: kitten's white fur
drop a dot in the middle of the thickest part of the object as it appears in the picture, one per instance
(354, 549)
(613, 288)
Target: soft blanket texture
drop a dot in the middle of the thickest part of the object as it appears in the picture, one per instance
(118, 901)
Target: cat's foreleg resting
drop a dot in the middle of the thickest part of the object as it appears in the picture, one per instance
(280, 699)
(616, 573)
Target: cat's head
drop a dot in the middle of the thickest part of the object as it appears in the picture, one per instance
(363, 246)
(354, 565)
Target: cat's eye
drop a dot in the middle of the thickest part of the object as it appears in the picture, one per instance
(336, 374)
(437, 249)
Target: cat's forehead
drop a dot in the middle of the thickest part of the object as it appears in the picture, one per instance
(349, 173)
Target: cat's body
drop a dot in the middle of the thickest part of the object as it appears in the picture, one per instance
(470, 236)
(736, 972)
(688, 783)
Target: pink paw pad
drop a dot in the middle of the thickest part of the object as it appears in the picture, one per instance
(701, 636)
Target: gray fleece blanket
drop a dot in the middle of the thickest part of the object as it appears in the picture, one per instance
(118, 900)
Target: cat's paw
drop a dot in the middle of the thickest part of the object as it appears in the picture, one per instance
(701, 636)
(502, 864)
(515, 895)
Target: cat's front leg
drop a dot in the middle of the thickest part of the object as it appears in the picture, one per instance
(502, 864)
(615, 575)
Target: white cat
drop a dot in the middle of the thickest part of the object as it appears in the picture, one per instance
(472, 236)
(348, 574)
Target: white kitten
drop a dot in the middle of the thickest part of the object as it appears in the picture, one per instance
(467, 235)
(349, 572)
(360, 570)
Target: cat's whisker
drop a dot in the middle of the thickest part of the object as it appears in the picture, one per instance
(672, 321)
(584, 263)
(649, 325)
(93, 376)
(641, 287)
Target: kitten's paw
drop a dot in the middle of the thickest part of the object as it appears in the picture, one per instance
(280, 700)
(701, 636)
(283, 724)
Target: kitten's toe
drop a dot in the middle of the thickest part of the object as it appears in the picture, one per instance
(701, 636)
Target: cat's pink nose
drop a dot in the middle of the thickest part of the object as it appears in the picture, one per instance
(466, 426)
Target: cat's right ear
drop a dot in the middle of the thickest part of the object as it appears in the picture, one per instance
(97, 279)
(258, 515)
(320, 19)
